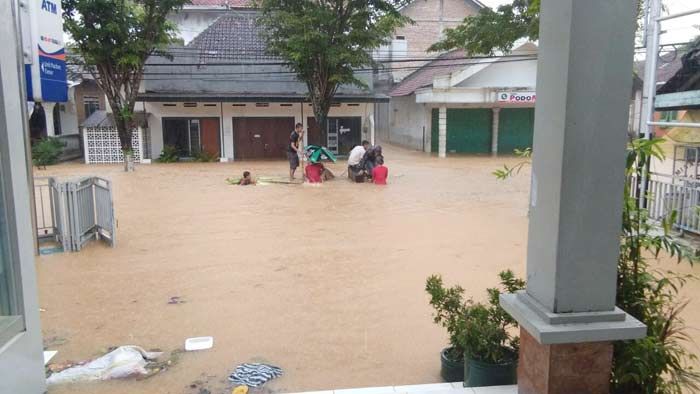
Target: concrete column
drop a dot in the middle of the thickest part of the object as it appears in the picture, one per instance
(442, 132)
(48, 113)
(494, 130)
(583, 84)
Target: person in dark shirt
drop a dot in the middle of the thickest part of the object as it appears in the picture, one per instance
(369, 161)
(380, 172)
(293, 149)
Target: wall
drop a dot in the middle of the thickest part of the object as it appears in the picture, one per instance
(431, 18)
(505, 74)
(157, 111)
(87, 88)
(21, 358)
(408, 122)
(192, 22)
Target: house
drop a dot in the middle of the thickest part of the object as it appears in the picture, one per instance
(457, 104)
(680, 95)
(668, 65)
(408, 49)
(225, 95)
(196, 16)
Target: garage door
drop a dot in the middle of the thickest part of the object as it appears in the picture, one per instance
(469, 130)
(261, 138)
(515, 129)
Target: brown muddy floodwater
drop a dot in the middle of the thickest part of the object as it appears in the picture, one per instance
(326, 282)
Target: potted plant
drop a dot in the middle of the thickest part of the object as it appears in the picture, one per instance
(482, 342)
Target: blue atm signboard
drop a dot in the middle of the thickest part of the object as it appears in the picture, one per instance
(46, 75)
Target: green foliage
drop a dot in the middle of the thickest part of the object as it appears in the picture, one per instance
(205, 157)
(492, 30)
(498, 30)
(46, 152)
(476, 330)
(325, 41)
(169, 154)
(507, 172)
(113, 39)
(658, 363)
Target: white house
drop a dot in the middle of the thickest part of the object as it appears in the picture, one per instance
(458, 104)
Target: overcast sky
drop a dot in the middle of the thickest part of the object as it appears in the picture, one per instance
(677, 30)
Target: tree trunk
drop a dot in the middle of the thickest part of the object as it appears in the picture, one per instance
(124, 131)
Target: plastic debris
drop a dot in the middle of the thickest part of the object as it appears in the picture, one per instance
(199, 343)
(123, 362)
(240, 390)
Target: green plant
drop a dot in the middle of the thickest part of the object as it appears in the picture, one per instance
(205, 157)
(658, 363)
(170, 154)
(46, 152)
(476, 330)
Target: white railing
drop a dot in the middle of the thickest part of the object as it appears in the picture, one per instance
(667, 194)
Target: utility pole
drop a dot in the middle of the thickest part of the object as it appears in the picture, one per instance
(651, 41)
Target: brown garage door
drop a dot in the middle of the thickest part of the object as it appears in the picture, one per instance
(261, 138)
(210, 136)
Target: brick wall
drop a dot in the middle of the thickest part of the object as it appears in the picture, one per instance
(431, 18)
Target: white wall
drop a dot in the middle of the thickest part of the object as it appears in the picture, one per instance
(505, 74)
(192, 22)
(407, 123)
(69, 118)
(157, 111)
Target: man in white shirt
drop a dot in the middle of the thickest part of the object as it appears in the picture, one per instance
(354, 160)
(357, 153)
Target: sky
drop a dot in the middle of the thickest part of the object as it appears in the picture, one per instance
(676, 30)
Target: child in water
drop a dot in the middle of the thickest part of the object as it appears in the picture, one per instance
(246, 180)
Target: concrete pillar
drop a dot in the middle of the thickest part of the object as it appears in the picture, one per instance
(48, 113)
(442, 132)
(583, 84)
(494, 130)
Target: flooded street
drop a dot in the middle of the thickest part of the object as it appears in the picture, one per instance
(326, 282)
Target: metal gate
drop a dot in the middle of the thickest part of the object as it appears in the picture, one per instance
(74, 212)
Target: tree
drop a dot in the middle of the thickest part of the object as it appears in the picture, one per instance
(324, 41)
(113, 39)
(497, 30)
(492, 30)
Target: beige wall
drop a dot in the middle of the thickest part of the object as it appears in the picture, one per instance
(87, 88)
(431, 18)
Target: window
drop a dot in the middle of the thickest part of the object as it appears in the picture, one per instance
(91, 104)
(668, 116)
(11, 319)
(400, 37)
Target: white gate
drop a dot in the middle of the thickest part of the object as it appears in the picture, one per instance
(75, 212)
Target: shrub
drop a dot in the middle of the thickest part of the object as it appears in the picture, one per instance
(46, 152)
(170, 154)
(205, 157)
(479, 331)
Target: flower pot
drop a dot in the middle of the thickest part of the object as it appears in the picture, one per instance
(479, 374)
(450, 370)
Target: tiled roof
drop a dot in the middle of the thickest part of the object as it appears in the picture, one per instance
(667, 66)
(222, 3)
(232, 37)
(423, 77)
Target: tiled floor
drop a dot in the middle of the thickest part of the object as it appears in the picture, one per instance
(437, 388)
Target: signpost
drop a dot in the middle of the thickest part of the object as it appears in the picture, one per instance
(517, 97)
(45, 56)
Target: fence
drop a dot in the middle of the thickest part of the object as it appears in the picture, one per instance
(667, 194)
(74, 212)
(102, 145)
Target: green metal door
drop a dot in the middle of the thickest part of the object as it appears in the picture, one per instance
(469, 130)
(515, 129)
(434, 130)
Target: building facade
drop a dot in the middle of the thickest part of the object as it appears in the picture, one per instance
(483, 106)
